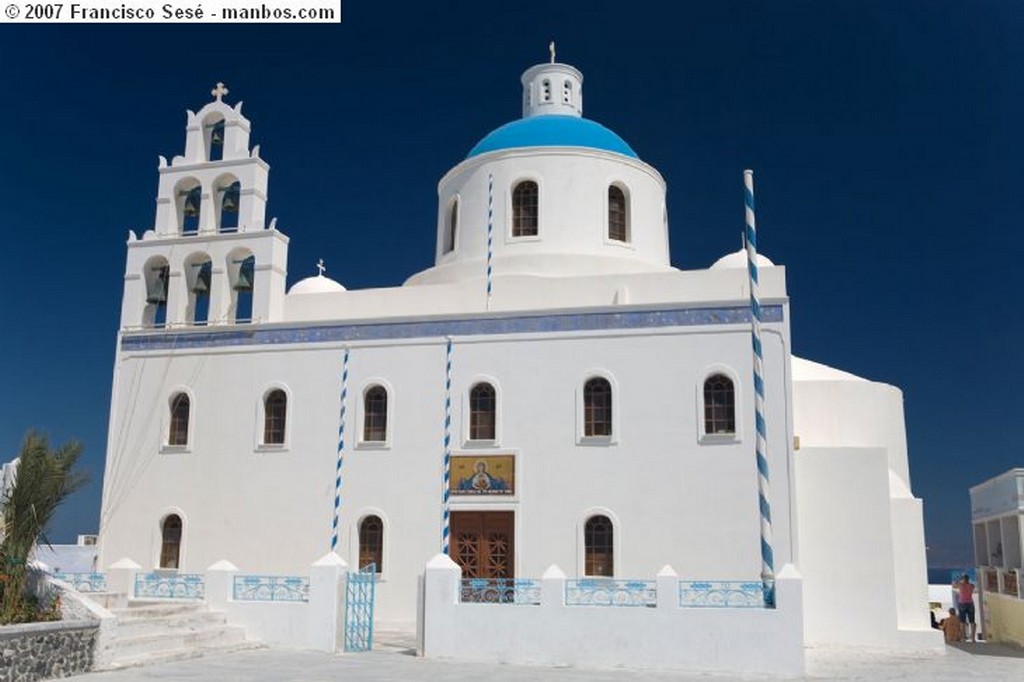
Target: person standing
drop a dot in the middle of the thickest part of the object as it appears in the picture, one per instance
(965, 608)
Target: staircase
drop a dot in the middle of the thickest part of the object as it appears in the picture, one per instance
(151, 632)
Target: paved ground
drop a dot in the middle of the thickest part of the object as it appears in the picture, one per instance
(392, 660)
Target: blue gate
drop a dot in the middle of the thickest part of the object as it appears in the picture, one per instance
(359, 594)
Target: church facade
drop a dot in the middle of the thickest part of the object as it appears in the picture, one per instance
(551, 391)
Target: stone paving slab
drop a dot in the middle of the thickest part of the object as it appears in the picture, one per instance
(395, 662)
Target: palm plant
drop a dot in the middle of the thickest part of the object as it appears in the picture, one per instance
(43, 480)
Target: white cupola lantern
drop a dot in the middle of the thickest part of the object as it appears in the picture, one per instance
(552, 89)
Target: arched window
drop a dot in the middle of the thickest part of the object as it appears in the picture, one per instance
(192, 203)
(524, 209)
(371, 543)
(451, 226)
(598, 544)
(180, 408)
(375, 415)
(217, 141)
(199, 279)
(719, 405)
(229, 205)
(243, 285)
(275, 410)
(170, 545)
(618, 214)
(597, 407)
(157, 274)
(482, 411)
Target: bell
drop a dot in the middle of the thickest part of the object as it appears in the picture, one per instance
(202, 283)
(230, 202)
(191, 210)
(217, 137)
(157, 288)
(246, 275)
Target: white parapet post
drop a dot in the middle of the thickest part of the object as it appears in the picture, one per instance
(441, 579)
(121, 578)
(552, 588)
(220, 584)
(668, 588)
(326, 603)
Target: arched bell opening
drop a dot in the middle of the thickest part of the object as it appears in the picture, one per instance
(156, 274)
(189, 203)
(229, 198)
(213, 137)
(199, 279)
(242, 276)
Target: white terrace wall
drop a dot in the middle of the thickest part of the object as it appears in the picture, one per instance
(316, 623)
(667, 636)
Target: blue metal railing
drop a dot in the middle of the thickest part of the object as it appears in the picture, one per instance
(520, 591)
(158, 586)
(610, 592)
(723, 594)
(282, 588)
(84, 582)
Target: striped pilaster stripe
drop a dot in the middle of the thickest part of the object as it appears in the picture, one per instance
(761, 447)
(490, 229)
(445, 514)
(341, 449)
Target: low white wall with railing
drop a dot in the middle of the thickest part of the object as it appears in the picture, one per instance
(663, 623)
(287, 611)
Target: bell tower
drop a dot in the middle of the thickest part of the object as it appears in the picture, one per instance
(210, 258)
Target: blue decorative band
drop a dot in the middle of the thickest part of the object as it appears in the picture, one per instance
(378, 331)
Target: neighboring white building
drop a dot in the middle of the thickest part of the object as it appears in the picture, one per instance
(602, 401)
(997, 515)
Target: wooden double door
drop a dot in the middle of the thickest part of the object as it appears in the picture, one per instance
(483, 543)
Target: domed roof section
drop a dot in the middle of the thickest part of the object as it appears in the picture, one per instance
(552, 130)
(317, 284)
(738, 259)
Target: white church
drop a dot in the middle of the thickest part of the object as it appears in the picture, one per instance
(551, 392)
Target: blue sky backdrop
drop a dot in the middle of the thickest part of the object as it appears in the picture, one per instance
(885, 137)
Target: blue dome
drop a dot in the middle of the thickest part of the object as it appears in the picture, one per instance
(552, 131)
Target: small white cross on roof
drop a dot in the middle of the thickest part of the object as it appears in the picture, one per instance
(219, 91)
(551, 49)
(321, 267)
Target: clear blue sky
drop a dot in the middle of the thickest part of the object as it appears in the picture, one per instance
(885, 137)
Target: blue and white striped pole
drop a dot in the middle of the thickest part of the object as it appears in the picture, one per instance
(445, 514)
(341, 449)
(767, 559)
(490, 232)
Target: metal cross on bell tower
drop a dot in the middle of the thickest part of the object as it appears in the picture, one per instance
(219, 91)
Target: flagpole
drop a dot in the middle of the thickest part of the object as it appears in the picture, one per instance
(761, 440)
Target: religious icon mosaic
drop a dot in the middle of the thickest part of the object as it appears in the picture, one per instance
(483, 475)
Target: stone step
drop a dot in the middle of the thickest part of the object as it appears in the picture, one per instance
(157, 609)
(108, 600)
(172, 622)
(172, 640)
(177, 655)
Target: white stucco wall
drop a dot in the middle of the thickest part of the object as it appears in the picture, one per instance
(719, 640)
(861, 553)
(268, 509)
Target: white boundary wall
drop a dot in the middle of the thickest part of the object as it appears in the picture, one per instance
(317, 624)
(735, 640)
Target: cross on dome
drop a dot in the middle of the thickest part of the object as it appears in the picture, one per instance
(551, 49)
(321, 267)
(219, 91)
